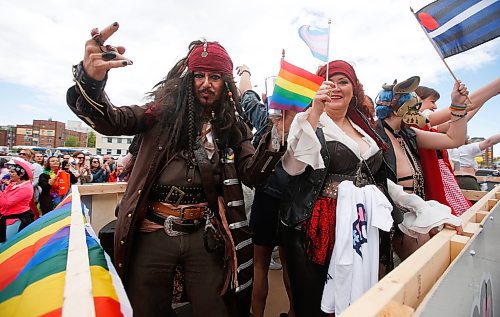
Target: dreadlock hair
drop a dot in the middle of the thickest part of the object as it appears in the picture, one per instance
(182, 117)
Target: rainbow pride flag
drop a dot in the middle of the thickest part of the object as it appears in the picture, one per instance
(294, 88)
(36, 273)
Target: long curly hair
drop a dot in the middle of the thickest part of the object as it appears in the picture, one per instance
(182, 117)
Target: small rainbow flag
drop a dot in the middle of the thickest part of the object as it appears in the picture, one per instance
(36, 269)
(295, 88)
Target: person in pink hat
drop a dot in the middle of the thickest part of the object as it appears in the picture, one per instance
(15, 212)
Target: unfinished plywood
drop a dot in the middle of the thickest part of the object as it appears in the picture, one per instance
(457, 244)
(103, 210)
(473, 195)
(492, 203)
(481, 215)
(104, 188)
(471, 229)
(395, 309)
(491, 179)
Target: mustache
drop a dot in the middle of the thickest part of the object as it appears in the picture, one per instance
(207, 90)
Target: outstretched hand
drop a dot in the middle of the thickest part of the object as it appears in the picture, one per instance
(100, 58)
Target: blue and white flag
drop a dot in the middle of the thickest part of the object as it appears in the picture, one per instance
(456, 26)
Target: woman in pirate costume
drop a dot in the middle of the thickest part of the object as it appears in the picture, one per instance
(397, 111)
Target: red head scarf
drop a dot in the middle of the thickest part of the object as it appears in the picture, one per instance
(354, 113)
(210, 57)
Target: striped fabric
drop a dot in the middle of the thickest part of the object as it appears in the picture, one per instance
(34, 266)
(456, 26)
(316, 40)
(294, 88)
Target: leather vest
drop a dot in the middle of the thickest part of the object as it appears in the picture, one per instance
(409, 136)
(303, 190)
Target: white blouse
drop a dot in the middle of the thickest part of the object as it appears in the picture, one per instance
(304, 146)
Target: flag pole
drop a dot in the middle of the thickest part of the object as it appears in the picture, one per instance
(283, 110)
(328, 49)
(437, 51)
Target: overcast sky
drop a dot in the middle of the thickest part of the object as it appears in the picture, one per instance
(40, 40)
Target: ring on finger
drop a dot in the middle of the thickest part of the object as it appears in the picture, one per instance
(110, 48)
(98, 39)
(107, 56)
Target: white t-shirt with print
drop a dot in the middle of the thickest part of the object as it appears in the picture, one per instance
(354, 264)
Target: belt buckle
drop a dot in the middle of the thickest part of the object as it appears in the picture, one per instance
(167, 226)
(176, 189)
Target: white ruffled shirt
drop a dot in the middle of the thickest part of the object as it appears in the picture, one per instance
(304, 146)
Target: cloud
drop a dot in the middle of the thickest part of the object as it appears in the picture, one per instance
(42, 40)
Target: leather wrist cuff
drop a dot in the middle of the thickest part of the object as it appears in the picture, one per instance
(92, 87)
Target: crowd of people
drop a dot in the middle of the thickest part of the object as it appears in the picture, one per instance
(33, 184)
(342, 188)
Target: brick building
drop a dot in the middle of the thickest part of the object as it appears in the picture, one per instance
(46, 133)
(7, 135)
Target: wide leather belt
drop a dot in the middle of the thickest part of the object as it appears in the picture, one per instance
(184, 213)
(174, 226)
(178, 195)
(332, 181)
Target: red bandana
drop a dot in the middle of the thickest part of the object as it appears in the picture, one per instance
(210, 57)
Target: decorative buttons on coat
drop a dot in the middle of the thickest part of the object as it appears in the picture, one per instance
(122, 242)
(139, 191)
(120, 264)
(160, 148)
(129, 215)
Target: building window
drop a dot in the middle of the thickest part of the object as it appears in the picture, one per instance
(49, 140)
(109, 151)
(110, 140)
(119, 140)
(118, 151)
(98, 151)
(129, 141)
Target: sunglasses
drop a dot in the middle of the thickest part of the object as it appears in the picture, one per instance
(81, 157)
(22, 154)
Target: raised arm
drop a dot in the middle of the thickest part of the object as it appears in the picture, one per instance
(478, 98)
(492, 140)
(455, 136)
(87, 98)
(245, 83)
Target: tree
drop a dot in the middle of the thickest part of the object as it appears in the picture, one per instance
(91, 139)
(71, 141)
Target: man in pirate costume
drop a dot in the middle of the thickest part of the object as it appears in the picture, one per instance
(397, 110)
(184, 202)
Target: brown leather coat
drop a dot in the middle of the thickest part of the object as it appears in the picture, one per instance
(250, 166)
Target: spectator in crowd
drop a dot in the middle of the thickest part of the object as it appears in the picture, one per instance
(3, 169)
(5, 181)
(80, 169)
(15, 213)
(39, 159)
(100, 173)
(66, 157)
(28, 155)
(55, 182)
(118, 175)
(465, 156)
(110, 162)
